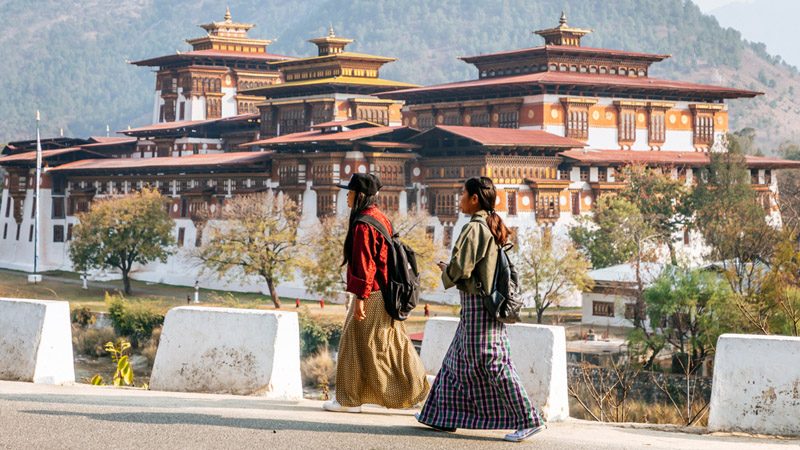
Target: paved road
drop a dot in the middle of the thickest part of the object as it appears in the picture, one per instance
(85, 417)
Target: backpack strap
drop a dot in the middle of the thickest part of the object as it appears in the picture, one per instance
(379, 227)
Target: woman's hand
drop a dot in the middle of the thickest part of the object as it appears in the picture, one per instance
(360, 312)
(442, 265)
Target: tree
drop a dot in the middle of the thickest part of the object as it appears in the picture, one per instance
(412, 228)
(322, 270)
(122, 231)
(549, 272)
(733, 223)
(257, 236)
(663, 202)
(689, 309)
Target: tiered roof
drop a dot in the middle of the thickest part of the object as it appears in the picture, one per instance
(224, 43)
(665, 158)
(332, 70)
(563, 66)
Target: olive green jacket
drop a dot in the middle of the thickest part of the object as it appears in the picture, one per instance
(472, 265)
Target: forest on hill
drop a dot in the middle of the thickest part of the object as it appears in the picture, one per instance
(69, 58)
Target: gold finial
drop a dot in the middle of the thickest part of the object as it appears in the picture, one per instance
(563, 19)
(227, 14)
(331, 32)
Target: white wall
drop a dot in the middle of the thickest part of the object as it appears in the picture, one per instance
(756, 387)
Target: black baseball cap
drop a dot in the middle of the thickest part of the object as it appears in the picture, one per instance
(365, 183)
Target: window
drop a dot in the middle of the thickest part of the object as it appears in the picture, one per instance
(602, 309)
(703, 129)
(184, 207)
(767, 177)
(627, 126)
(425, 121)
(602, 174)
(448, 236)
(33, 208)
(576, 203)
(19, 227)
(58, 207)
(630, 311)
(453, 118)
(657, 129)
(512, 202)
(69, 232)
(30, 234)
(5, 231)
(198, 238)
(563, 174)
(8, 206)
(58, 233)
(508, 119)
(480, 119)
(577, 123)
(584, 174)
(181, 236)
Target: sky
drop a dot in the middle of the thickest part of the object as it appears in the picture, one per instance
(767, 21)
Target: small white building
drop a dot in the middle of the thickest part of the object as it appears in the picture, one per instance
(611, 302)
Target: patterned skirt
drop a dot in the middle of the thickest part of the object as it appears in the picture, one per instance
(477, 386)
(377, 362)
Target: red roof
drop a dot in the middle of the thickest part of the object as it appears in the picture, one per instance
(507, 137)
(345, 123)
(109, 141)
(566, 49)
(180, 162)
(166, 126)
(211, 54)
(579, 79)
(31, 156)
(318, 136)
(687, 158)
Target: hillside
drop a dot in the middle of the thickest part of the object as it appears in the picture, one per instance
(68, 58)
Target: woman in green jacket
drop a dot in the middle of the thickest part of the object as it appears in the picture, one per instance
(477, 386)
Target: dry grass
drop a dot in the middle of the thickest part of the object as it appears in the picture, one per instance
(91, 341)
(149, 349)
(642, 412)
(318, 370)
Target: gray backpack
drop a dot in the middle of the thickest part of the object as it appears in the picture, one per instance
(504, 302)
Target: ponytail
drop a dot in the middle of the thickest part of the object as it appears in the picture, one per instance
(484, 188)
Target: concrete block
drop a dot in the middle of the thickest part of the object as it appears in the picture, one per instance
(229, 351)
(36, 341)
(538, 352)
(756, 387)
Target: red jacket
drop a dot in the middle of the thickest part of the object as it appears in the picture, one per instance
(367, 270)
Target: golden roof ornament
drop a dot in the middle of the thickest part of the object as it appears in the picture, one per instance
(228, 14)
(331, 33)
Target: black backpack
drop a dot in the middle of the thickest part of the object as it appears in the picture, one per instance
(401, 293)
(504, 302)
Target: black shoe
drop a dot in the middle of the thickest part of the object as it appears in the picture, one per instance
(437, 428)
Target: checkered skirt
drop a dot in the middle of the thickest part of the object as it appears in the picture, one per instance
(477, 386)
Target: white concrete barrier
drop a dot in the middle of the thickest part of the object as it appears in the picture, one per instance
(756, 386)
(36, 341)
(539, 353)
(229, 351)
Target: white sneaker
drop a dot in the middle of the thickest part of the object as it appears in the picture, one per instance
(523, 433)
(334, 406)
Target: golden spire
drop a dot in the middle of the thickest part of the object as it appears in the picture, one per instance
(563, 20)
(331, 33)
(228, 14)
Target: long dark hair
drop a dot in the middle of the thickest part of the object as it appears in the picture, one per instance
(361, 202)
(483, 187)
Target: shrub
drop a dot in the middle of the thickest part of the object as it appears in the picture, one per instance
(316, 335)
(319, 370)
(91, 341)
(136, 320)
(82, 316)
(149, 350)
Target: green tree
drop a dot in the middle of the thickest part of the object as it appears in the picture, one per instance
(689, 309)
(663, 202)
(550, 270)
(255, 236)
(732, 220)
(122, 231)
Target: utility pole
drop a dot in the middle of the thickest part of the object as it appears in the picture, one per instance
(35, 277)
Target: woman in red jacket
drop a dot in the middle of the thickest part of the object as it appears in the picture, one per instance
(377, 363)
